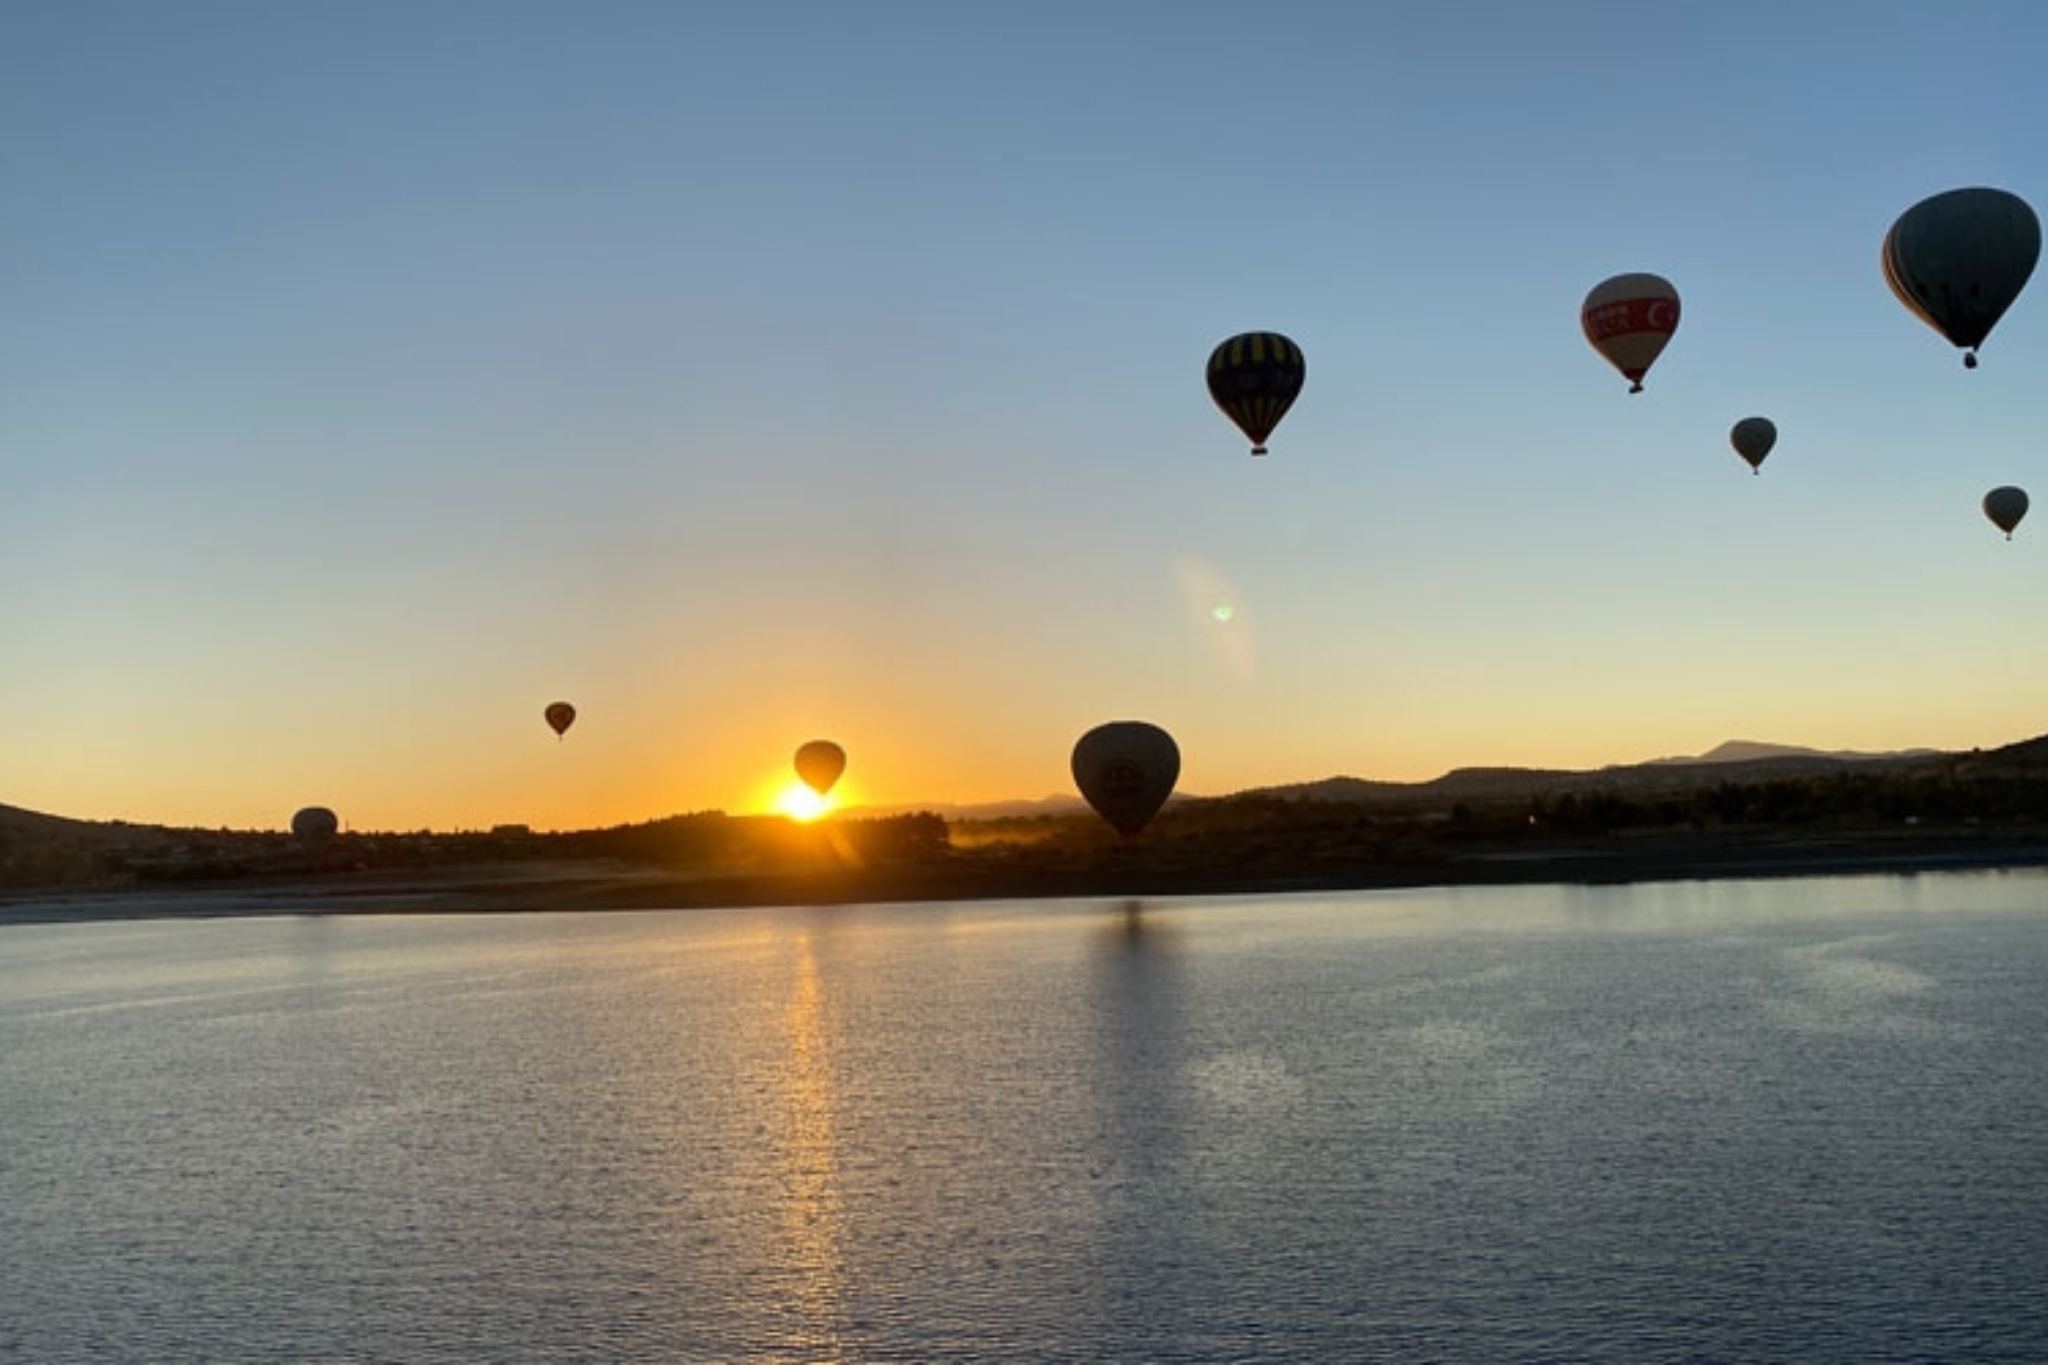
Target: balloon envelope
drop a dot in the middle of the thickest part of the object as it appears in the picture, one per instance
(315, 825)
(1255, 377)
(560, 716)
(1753, 438)
(1126, 769)
(819, 764)
(2005, 507)
(1629, 319)
(1959, 259)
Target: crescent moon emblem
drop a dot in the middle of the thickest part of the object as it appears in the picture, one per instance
(1659, 315)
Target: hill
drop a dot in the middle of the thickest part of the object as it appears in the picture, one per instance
(1749, 751)
(1338, 829)
(1737, 761)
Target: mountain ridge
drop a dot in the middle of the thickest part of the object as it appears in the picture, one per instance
(1749, 751)
(1732, 760)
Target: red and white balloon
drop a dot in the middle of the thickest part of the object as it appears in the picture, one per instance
(1629, 319)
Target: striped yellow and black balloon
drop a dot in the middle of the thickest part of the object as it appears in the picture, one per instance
(1255, 377)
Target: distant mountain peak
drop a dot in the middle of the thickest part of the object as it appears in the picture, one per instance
(1753, 751)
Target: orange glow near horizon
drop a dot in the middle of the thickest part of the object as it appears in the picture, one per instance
(801, 804)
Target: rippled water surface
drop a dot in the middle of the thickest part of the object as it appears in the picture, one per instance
(1765, 1121)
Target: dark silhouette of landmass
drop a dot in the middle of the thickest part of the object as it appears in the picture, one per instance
(1749, 750)
(1760, 811)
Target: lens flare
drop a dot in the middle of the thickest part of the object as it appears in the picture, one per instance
(1219, 614)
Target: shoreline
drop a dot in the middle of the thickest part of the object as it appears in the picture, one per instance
(529, 887)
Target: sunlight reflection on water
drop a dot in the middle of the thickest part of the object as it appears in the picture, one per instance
(811, 1207)
(1794, 1120)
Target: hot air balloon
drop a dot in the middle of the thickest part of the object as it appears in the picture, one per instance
(1255, 377)
(1959, 259)
(315, 825)
(819, 764)
(2005, 506)
(1753, 438)
(1126, 769)
(1629, 318)
(560, 716)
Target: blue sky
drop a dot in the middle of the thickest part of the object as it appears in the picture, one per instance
(371, 375)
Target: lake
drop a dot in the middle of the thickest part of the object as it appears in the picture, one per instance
(1800, 1120)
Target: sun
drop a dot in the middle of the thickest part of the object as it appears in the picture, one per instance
(801, 804)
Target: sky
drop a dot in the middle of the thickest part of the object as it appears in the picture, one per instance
(373, 374)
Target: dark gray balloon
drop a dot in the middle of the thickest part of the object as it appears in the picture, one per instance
(2005, 506)
(819, 764)
(1753, 438)
(315, 825)
(1959, 259)
(1126, 769)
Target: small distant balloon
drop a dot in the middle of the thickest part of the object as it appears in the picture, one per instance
(315, 825)
(1629, 319)
(560, 716)
(1126, 769)
(1255, 377)
(1753, 438)
(819, 764)
(2005, 506)
(1959, 259)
